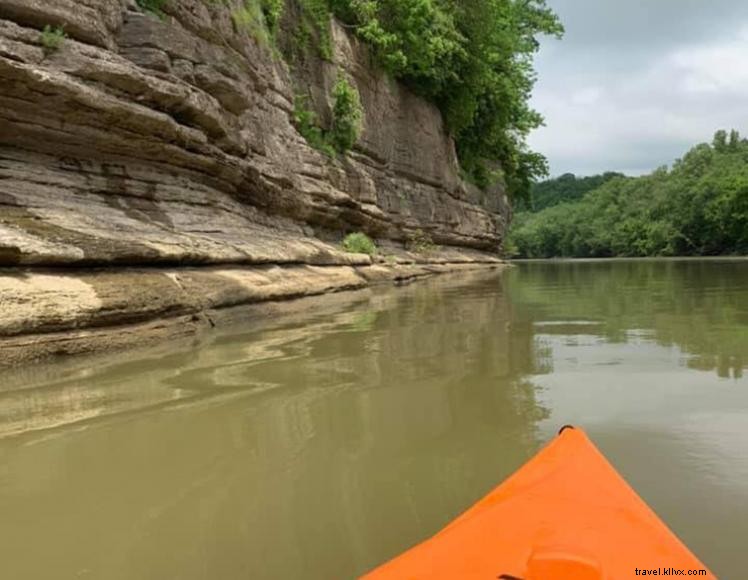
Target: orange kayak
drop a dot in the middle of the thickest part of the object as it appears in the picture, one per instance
(566, 515)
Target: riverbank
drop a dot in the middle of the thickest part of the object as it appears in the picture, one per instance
(46, 313)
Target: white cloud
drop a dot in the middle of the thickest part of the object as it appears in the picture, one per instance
(717, 68)
(606, 113)
(587, 96)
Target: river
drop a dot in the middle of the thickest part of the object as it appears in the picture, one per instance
(322, 442)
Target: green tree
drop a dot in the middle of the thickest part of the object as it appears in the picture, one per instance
(474, 59)
(720, 141)
(734, 140)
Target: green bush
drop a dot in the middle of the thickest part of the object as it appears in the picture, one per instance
(153, 6)
(273, 12)
(420, 242)
(308, 125)
(52, 38)
(346, 126)
(359, 243)
(347, 116)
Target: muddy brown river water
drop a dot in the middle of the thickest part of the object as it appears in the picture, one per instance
(319, 443)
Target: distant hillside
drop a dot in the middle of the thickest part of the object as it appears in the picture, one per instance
(564, 189)
(697, 207)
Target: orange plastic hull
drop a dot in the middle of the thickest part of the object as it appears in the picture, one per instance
(566, 515)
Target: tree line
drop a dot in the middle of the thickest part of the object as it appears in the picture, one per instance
(697, 207)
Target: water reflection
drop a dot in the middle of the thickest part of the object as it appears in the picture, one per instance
(314, 447)
(698, 306)
(317, 444)
(650, 356)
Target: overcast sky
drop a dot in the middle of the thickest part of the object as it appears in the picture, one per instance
(635, 83)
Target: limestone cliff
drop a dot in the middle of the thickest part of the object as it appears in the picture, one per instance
(164, 150)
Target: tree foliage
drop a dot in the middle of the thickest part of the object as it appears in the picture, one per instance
(347, 115)
(697, 207)
(474, 59)
(564, 189)
(347, 120)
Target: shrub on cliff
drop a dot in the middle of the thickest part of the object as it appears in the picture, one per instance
(52, 38)
(307, 124)
(272, 10)
(347, 116)
(359, 243)
(421, 242)
(153, 6)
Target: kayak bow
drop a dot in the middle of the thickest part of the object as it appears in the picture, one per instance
(566, 515)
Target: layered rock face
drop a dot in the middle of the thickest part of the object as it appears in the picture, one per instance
(164, 148)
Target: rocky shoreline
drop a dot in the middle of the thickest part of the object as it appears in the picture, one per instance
(49, 313)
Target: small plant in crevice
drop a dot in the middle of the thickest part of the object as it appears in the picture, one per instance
(359, 243)
(250, 19)
(155, 7)
(346, 125)
(307, 124)
(316, 14)
(52, 38)
(299, 43)
(420, 242)
(261, 18)
(347, 116)
(309, 32)
(272, 10)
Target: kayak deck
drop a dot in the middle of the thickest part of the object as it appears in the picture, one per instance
(567, 514)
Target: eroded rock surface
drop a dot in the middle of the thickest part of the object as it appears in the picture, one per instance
(169, 144)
